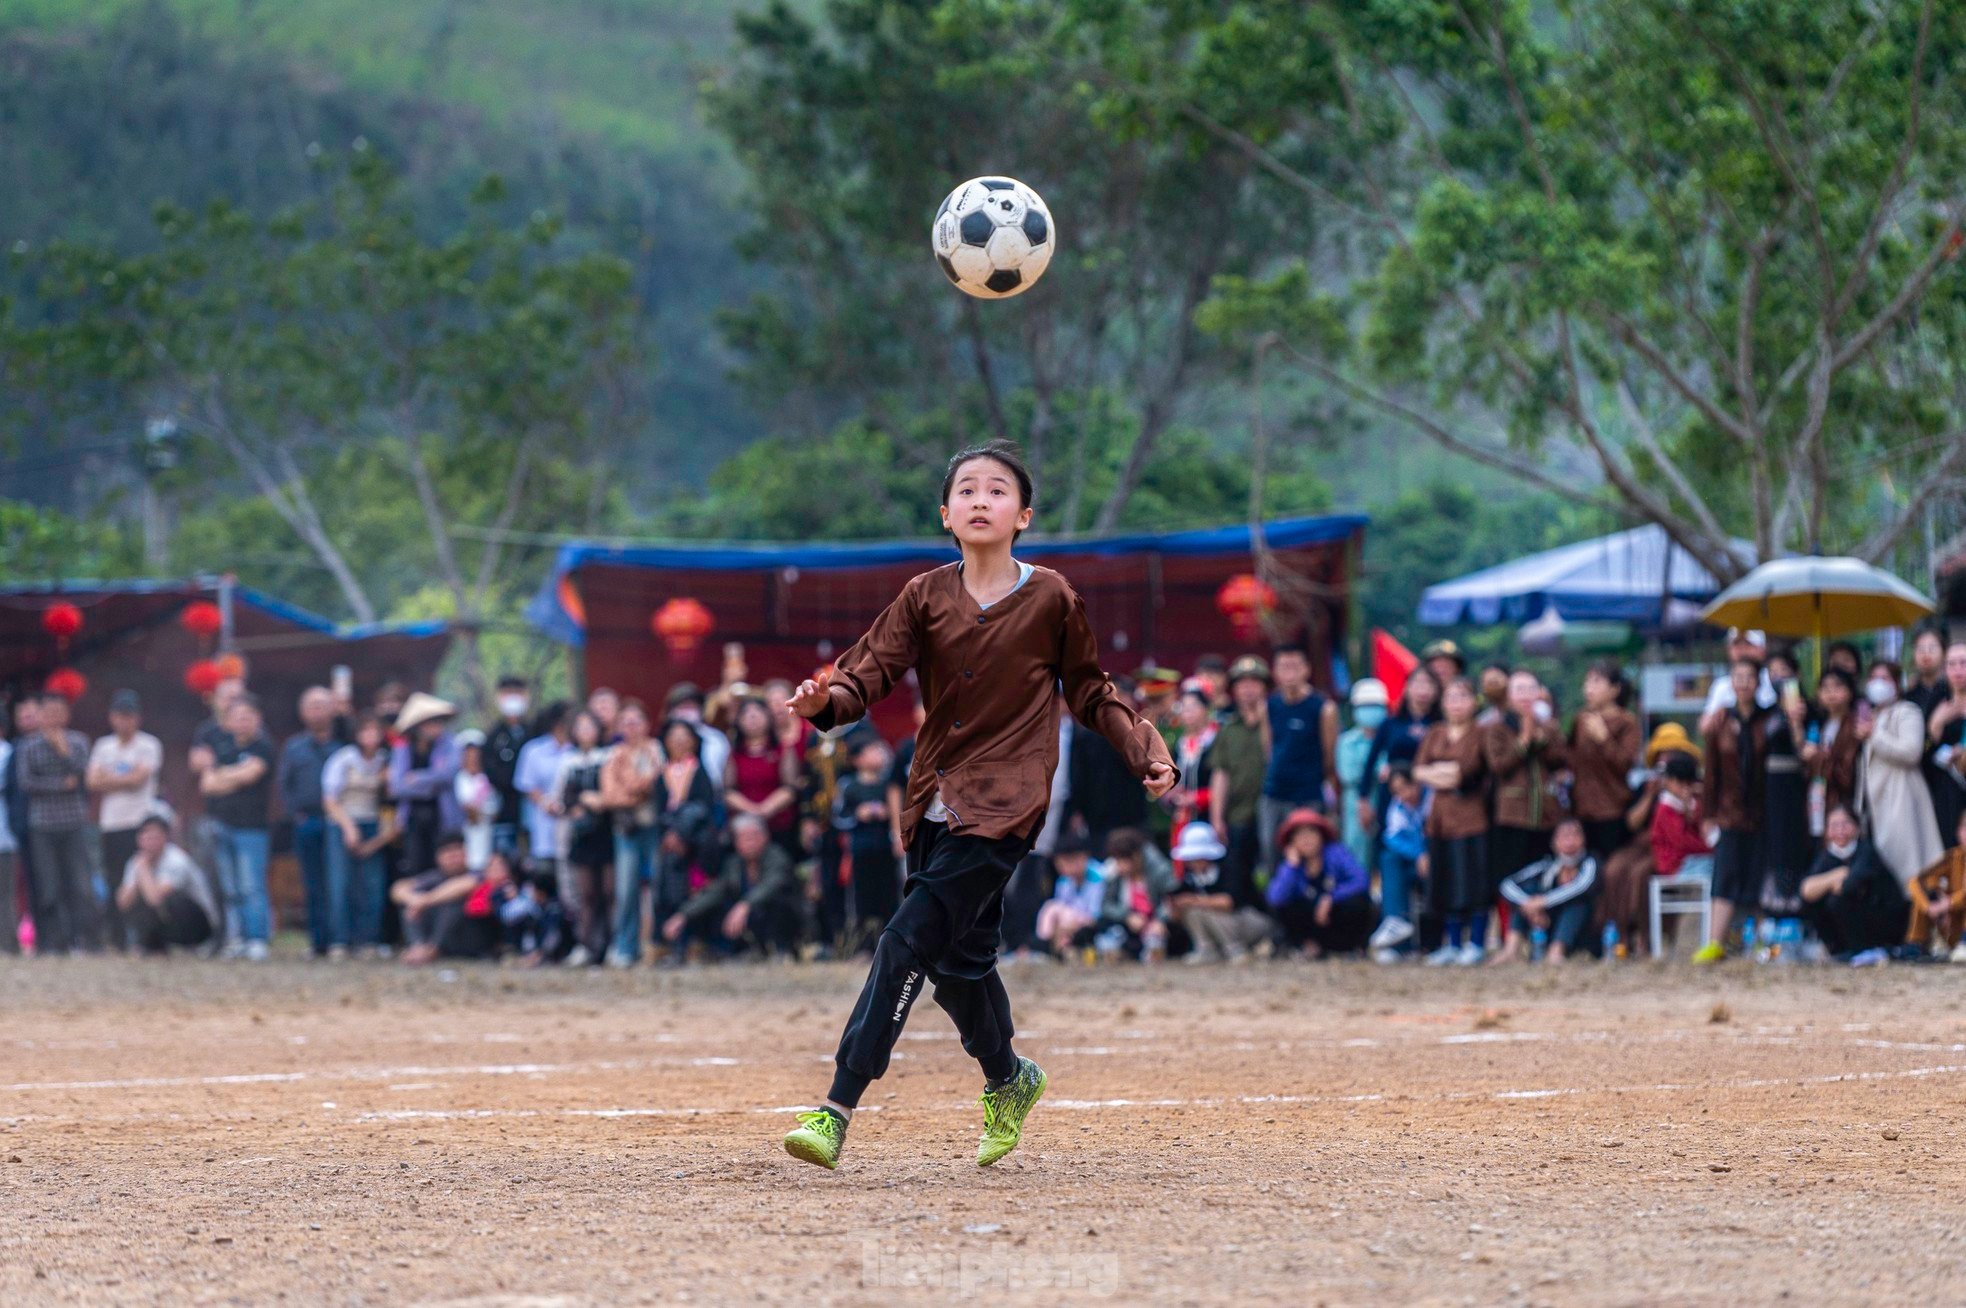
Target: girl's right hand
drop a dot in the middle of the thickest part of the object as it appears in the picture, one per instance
(810, 698)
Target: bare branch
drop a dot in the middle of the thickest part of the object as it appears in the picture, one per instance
(1481, 452)
(1935, 480)
(1866, 248)
(1676, 477)
(1629, 332)
(1908, 295)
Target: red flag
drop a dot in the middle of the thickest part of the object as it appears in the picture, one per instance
(1391, 662)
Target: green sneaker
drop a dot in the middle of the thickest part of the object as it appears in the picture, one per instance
(817, 1139)
(1005, 1109)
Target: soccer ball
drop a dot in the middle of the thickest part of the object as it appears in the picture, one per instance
(993, 237)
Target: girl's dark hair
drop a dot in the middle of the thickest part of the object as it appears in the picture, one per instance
(671, 724)
(1004, 452)
(1399, 772)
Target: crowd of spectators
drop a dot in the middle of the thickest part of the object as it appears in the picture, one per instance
(1467, 820)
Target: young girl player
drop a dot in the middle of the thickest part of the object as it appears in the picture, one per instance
(992, 641)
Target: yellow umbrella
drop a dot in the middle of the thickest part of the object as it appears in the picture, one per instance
(1817, 597)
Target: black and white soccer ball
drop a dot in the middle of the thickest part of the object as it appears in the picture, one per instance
(993, 237)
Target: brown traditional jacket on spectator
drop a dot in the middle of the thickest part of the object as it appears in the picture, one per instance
(1462, 811)
(1523, 794)
(1730, 798)
(1836, 764)
(1601, 792)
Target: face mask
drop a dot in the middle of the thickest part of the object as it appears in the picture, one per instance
(1369, 716)
(1843, 851)
(512, 706)
(1880, 691)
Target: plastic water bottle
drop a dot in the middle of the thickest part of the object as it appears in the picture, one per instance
(1612, 946)
(1539, 940)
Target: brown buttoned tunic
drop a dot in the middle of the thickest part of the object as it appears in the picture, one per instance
(1463, 811)
(989, 677)
(1522, 773)
(1602, 791)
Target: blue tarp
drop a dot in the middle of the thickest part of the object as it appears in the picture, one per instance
(547, 614)
(1624, 577)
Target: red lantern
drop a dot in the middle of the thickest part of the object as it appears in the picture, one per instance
(202, 619)
(61, 621)
(682, 624)
(230, 667)
(202, 677)
(67, 683)
(1246, 601)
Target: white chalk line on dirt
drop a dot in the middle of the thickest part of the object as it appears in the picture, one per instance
(1092, 1105)
(645, 1064)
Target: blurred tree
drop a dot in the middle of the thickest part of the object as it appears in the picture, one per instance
(1706, 252)
(481, 376)
(853, 127)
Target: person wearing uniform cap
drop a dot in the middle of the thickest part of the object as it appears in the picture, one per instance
(1236, 763)
(1443, 658)
(123, 771)
(1370, 704)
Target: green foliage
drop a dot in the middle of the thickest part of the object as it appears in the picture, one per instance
(38, 544)
(112, 109)
(851, 130)
(1708, 248)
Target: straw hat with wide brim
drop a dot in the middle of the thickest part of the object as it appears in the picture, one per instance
(1669, 738)
(421, 708)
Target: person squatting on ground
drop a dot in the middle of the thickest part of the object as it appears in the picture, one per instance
(1321, 892)
(1551, 899)
(992, 641)
(1203, 904)
(162, 896)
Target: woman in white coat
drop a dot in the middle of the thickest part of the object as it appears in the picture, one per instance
(1897, 804)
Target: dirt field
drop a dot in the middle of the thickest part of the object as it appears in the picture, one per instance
(196, 1132)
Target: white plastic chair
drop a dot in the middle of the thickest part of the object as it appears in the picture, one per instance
(1678, 895)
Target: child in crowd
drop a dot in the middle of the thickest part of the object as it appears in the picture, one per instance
(1369, 707)
(1217, 926)
(1679, 846)
(1130, 919)
(1321, 894)
(860, 814)
(1402, 860)
(1938, 902)
(1069, 918)
(477, 799)
(1551, 899)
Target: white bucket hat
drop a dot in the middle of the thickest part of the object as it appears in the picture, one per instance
(420, 709)
(1198, 844)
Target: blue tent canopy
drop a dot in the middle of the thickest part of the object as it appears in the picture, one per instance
(1628, 576)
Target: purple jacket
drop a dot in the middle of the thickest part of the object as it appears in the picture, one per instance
(436, 780)
(1343, 877)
